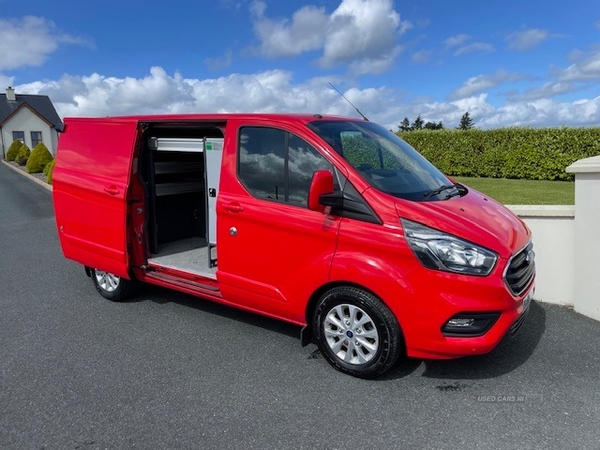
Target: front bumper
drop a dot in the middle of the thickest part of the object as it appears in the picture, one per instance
(428, 337)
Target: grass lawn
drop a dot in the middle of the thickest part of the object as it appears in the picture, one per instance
(523, 192)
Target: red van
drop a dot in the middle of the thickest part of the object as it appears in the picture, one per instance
(331, 223)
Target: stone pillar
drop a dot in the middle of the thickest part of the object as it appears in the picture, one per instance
(587, 236)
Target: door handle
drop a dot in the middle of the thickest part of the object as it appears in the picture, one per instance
(235, 207)
(112, 190)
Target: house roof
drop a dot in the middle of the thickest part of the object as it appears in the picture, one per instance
(40, 104)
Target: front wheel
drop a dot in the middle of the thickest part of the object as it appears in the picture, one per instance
(356, 333)
(112, 286)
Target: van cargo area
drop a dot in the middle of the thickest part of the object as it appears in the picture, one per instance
(180, 171)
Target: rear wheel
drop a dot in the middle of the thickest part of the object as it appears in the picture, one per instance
(356, 333)
(112, 286)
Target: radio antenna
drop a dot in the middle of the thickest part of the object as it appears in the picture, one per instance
(357, 110)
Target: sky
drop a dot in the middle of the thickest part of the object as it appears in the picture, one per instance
(533, 63)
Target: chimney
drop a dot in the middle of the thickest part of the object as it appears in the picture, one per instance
(10, 94)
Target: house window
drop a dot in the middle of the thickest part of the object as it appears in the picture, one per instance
(19, 136)
(277, 165)
(36, 138)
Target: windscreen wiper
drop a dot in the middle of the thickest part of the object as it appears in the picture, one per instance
(453, 194)
(460, 191)
(439, 190)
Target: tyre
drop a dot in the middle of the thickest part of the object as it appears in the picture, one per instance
(112, 286)
(356, 333)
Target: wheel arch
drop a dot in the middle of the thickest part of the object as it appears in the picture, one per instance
(307, 334)
(131, 274)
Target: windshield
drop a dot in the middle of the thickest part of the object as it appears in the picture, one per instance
(386, 161)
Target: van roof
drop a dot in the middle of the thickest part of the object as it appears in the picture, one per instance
(300, 118)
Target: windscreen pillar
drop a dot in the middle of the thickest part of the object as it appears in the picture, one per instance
(587, 236)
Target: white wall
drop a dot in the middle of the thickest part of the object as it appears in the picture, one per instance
(25, 120)
(553, 229)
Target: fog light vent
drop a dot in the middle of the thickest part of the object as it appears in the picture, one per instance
(469, 324)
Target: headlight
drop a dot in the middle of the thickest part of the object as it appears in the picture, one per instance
(441, 251)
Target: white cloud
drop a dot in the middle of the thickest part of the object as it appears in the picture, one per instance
(374, 65)
(305, 31)
(586, 68)
(457, 40)
(422, 56)
(6, 81)
(546, 113)
(475, 85)
(460, 41)
(362, 34)
(548, 90)
(405, 26)
(98, 95)
(539, 113)
(476, 47)
(361, 29)
(275, 91)
(30, 41)
(161, 93)
(527, 39)
(477, 106)
(449, 113)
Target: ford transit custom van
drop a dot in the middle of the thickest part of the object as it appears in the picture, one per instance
(331, 223)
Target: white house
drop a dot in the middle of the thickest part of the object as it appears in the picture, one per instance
(29, 118)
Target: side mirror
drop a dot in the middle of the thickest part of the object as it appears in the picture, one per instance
(321, 183)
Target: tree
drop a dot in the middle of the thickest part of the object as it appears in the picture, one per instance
(466, 123)
(418, 123)
(434, 126)
(405, 125)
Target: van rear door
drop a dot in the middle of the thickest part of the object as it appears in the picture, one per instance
(90, 183)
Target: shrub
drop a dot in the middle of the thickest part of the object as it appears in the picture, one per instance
(40, 156)
(23, 155)
(48, 171)
(13, 150)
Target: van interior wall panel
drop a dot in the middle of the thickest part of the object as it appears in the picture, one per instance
(180, 216)
(179, 199)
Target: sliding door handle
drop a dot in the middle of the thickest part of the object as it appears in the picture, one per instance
(112, 190)
(234, 207)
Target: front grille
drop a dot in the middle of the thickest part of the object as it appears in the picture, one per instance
(521, 270)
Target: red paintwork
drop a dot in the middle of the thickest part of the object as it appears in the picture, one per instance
(284, 255)
(90, 185)
(321, 183)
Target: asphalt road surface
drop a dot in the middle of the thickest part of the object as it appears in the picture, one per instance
(169, 371)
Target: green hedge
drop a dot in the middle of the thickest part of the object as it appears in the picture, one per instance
(521, 153)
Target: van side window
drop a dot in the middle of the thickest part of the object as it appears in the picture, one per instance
(277, 165)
